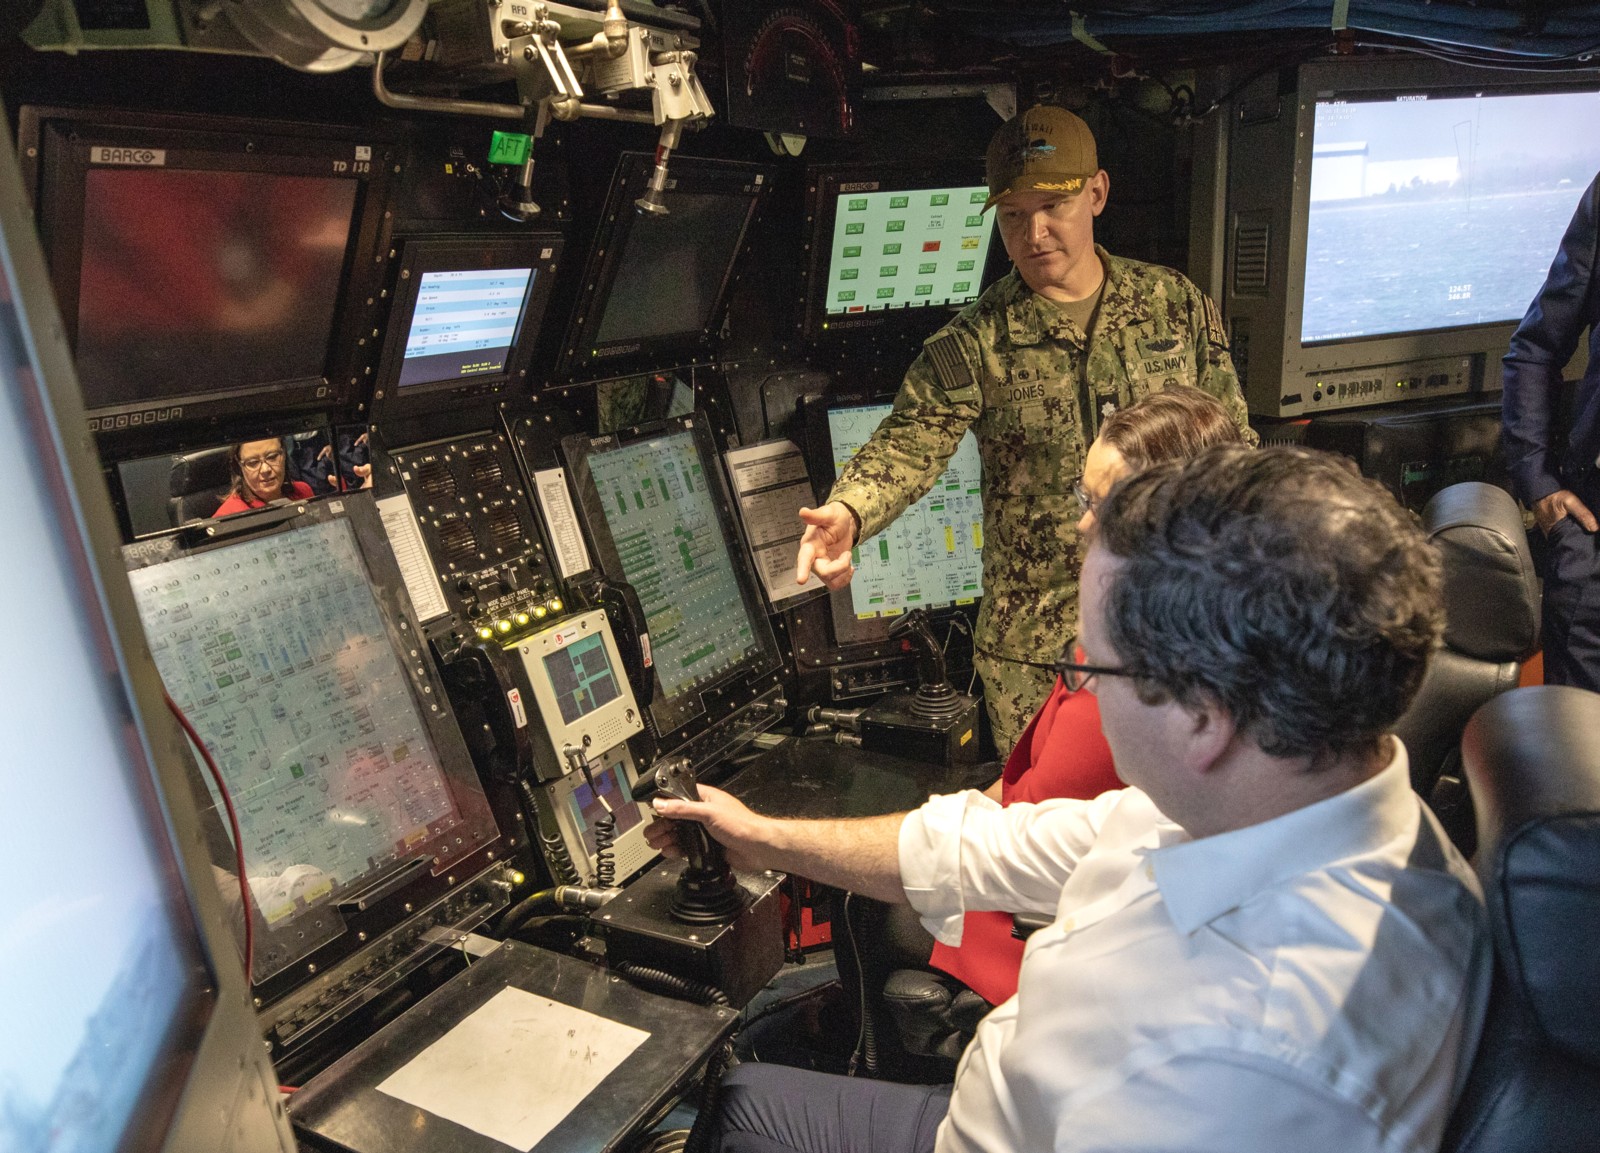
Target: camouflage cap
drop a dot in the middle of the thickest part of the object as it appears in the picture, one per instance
(1045, 149)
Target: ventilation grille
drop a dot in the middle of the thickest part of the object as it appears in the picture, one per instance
(436, 480)
(505, 529)
(487, 473)
(1251, 241)
(458, 543)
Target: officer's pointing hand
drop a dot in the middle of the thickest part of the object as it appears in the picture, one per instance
(825, 547)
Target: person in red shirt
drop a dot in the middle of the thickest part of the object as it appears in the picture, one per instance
(259, 469)
(1062, 752)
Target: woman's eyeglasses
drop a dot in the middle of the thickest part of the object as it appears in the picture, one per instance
(1085, 502)
(254, 463)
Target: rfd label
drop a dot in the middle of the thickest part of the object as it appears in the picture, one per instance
(144, 157)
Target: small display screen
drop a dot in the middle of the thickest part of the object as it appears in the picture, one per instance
(908, 249)
(932, 554)
(204, 281)
(1432, 212)
(671, 271)
(276, 649)
(613, 786)
(659, 510)
(464, 324)
(582, 677)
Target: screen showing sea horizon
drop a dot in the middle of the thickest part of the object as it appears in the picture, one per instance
(908, 249)
(464, 323)
(932, 555)
(1433, 212)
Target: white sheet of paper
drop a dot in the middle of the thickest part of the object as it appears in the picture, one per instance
(565, 535)
(771, 484)
(411, 554)
(515, 1067)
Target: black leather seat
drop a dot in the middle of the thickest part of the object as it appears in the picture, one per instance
(1491, 596)
(1532, 760)
(197, 484)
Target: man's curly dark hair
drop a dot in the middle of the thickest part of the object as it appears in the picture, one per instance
(1279, 584)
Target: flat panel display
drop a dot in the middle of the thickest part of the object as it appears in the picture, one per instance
(914, 248)
(657, 503)
(191, 278)
(611, 783)
(463, 324)
(279, 653)
(99, 963)
(932, 555)
(1439, 210)
(661, 523)
(205, 265)
(657, 285)
(582, 677)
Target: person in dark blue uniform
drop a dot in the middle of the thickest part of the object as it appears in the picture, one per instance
(1562, 485)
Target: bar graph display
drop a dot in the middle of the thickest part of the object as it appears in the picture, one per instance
(932, 555)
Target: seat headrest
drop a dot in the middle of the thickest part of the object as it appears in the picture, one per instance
(1533, 765)
(201, 471)
(1491, 593)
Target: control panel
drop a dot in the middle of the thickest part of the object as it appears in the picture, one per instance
(1337, 388)
(482, 544)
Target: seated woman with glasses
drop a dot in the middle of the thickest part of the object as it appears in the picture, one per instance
(1062, 752)
(259, 470)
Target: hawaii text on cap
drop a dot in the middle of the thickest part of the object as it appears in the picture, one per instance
(1044, 150)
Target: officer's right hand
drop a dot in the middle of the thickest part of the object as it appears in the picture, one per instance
(825, 547)
(1562, 503)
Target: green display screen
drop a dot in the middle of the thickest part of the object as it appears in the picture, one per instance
(941, 235)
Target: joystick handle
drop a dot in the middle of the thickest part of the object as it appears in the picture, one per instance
(707, 891)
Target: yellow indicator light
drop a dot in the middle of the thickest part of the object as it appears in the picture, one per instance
(517, 877)
(503, 626)
(521, 618)
(540, 612)
(555, 604)
(485, 632)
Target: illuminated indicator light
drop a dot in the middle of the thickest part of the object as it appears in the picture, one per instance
(521, 618)
(931, 245)
(502, 626)
(484, 632)
(555, 604)
(540, 612)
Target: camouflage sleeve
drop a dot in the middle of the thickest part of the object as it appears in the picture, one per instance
(1214, 363)
(938, 401)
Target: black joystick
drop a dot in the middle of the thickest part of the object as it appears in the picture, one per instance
(707, 892)
(936, 697)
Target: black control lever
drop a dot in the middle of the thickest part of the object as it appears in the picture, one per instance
(936, 698)
(707, 891)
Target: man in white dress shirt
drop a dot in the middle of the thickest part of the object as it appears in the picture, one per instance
(1265, 942)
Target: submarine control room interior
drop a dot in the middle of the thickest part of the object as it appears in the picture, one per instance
(409, 406)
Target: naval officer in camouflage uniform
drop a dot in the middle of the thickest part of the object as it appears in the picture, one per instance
(1031, 367)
